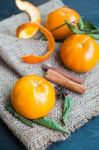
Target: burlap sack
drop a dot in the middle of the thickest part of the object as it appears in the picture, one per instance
(11, 68)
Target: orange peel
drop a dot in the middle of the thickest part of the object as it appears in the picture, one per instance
(25, 32)
(32, 59)
(34, 15)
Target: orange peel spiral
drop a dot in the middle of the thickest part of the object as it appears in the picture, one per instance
(34, 15)
(32, 59)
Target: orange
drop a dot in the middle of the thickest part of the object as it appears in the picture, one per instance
(79, 53)
(33, 97)
(57, 17)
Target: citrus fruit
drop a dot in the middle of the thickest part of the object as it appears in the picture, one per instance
(57, 18)
(79, 53)
(33, 97)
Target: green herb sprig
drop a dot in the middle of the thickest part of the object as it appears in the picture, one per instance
(51, 124)
(45, 122)
(83, 27)
(11, 110)
(67, 102)
(67, 105)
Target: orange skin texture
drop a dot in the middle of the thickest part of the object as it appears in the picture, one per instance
(57, 17)
(33, 97)
(79, 53)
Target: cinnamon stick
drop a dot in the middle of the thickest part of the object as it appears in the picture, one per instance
(64, 73)
(59, 79)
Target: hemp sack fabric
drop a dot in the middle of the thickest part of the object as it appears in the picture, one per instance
(11, 68)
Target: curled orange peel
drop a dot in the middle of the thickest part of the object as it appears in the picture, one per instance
(34, 15)
(32, 59)
(25, 32)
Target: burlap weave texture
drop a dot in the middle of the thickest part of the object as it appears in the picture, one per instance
(11, 68)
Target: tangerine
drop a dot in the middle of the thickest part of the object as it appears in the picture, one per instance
(57, 17)
(79, 53)
(33, 97)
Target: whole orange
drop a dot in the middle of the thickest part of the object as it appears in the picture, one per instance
(33, 97)
(79, 53)
(57, 18)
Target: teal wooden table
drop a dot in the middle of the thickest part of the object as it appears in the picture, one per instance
(85, 138)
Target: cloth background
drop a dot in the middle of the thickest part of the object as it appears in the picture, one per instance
(8, 47)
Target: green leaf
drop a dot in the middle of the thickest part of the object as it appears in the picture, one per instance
(81, 24)
(84, 27)
(66, 108)
(95, 36)
(45, 122)
(51, 124)
(73, 28)
(89, 27)
(25, 121)
(96, 31)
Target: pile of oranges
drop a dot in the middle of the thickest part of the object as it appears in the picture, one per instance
(79, 52)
